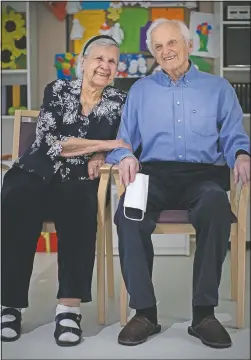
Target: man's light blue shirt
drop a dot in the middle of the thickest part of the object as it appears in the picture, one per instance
(197, 119)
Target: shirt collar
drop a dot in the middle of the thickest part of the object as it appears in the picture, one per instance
(190, 75)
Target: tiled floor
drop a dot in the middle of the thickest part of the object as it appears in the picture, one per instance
(172, 277)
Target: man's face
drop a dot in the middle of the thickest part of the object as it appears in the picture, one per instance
(171, 50)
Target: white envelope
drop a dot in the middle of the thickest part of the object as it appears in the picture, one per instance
(136, 195)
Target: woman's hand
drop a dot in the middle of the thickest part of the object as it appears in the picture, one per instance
(115, 144)
(94, 165)
(78, 146)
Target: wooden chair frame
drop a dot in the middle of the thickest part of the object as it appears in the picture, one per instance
(239, 204)
(104, 219)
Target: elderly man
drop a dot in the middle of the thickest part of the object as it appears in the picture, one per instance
(189, 125)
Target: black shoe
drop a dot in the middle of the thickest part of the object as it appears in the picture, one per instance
(14, 324)
(60, 329)
(211, 333)
(137, 331)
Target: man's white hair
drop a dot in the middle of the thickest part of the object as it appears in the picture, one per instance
(183, 29)
(100, 42)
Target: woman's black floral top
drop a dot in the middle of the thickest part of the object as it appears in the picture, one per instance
(60, 118)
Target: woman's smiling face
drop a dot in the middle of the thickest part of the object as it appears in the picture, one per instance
(100, 65)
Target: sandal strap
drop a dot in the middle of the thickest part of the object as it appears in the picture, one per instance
(60, 329)
(12, 311)
(69, 316)
(12, 324)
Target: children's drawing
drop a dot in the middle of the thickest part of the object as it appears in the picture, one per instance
(205, 34)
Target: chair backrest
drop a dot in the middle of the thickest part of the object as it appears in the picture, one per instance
(24, 132)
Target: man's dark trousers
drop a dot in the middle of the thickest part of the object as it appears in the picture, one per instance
(199, 188)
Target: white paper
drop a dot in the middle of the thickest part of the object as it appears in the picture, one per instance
(206, 42)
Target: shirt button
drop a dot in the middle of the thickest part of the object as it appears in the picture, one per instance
(194, 111)
(178, 102)
(179, 121)
(179, 137)
(180, 156)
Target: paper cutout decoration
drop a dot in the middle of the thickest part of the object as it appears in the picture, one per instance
(205, 34)
(58, 8)
(77, 31)
(132, 65)
(201, 64)
(143, 31)
(116, 4)
(114, 14)
(131, 20)
(91, 20)
(168, 13)
(117, 33)
(95, 5)
(13, 46)
(144, 4)
(65, 65)
(105, 29)
(73, 7)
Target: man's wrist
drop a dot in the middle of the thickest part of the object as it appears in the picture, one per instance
(241, 152)
(131, 156)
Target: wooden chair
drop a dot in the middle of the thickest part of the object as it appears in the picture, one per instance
(176, 222)
(23, 136)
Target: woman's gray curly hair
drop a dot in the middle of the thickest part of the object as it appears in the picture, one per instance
(100, 42)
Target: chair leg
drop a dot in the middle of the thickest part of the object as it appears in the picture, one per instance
(101, 275)
(123, 303)
(234, 266)
(240, 305)
(109, 252)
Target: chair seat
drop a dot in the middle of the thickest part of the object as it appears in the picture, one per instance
(173, 217)
(178, 217)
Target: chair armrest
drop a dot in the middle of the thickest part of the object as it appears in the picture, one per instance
(105, 169)
(233, 193)
(105, 174)
(242, 207)
(115, 174)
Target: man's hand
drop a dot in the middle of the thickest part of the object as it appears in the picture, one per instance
(128, 168)
(94, 165)
(242, 169)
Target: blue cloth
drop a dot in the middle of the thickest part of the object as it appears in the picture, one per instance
(197, 119)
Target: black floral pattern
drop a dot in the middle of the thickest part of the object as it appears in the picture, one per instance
(61, 117)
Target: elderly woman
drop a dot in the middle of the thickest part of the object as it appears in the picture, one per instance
(78, 120)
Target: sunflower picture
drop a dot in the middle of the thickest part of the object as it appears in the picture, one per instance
(13, 48)
(7, 57)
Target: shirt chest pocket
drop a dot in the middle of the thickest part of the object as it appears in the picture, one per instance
(204, 125)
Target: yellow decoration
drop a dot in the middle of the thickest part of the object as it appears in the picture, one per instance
(68, 56)
(66, 65)
(91, 20)
(114, 14)
(16, 96)
(13, 26)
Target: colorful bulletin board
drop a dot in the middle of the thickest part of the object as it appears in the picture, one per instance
(126, 22)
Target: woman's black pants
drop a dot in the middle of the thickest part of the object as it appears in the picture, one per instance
(27, 201)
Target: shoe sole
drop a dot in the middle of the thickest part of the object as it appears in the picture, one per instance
(133, 343)
(194, 333)
(11, 339)
(67, 343)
